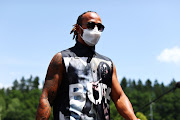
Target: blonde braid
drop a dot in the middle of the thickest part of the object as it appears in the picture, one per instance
(74, 31)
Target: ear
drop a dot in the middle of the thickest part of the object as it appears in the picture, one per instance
(78, 29)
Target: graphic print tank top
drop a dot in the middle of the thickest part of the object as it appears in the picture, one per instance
(85, 90)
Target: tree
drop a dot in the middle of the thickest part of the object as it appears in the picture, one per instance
(134, 84)
(157, 89)
(140, 85)
(36, 83)
(29, 84)
(2, 107)
(20, 102)
(15, 85)
(124, 83)
(14, 110)
(172, 84)
(22, 84)
(148, 85)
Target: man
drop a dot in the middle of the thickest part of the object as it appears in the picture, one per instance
(80, 82)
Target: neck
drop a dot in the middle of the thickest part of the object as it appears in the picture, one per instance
(82, 50)
(81, 40)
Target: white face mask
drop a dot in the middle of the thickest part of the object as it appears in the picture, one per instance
(91, 37)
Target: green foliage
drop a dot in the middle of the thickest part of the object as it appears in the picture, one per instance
(139, 94)
(14, 111)
(124, 83)
(21, 101)
(141, 116)
(36, 83)
(15, 85)
(2, 107)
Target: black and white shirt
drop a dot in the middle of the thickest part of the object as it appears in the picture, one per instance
(85, 90)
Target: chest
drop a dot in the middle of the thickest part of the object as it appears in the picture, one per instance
(82, 70)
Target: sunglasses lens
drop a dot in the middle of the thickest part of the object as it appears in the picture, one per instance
(100, 27)
(90, 25)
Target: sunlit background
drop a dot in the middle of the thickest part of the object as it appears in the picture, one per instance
(141, 37)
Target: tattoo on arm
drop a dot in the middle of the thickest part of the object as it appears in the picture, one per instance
(53, 77)
(44, 110)
(52, 82)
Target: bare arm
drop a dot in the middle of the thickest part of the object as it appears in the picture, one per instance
(52, 82)
(120, 100)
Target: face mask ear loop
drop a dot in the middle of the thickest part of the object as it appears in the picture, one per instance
(82, 30)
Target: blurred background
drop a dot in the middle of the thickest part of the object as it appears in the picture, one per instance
(141, 37)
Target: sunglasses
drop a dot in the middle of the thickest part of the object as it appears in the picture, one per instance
(91, 25)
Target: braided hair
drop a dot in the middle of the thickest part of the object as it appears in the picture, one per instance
(79, 22)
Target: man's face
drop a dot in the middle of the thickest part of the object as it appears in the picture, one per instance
(88, 17)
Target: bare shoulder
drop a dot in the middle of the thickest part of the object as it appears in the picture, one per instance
(55, 66)
(57, 59)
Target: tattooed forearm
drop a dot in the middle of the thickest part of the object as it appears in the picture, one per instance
(51, 85)
(51, 88)
(44, 110)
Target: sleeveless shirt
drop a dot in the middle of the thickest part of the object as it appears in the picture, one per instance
(85, 89)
